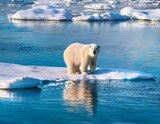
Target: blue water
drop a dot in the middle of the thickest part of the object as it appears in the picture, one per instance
(133, 45)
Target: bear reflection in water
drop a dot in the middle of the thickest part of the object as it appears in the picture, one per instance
(81, 94)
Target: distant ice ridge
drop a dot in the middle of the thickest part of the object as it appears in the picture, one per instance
(43, 12)
(55, 13)
(19, 76)
(149, 14)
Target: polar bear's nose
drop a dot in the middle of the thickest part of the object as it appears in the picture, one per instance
(94, 52)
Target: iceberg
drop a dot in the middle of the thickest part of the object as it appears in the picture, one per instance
(149, 14)
(44, 13)
(20, 76)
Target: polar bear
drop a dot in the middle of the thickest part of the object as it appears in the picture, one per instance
(79, 56)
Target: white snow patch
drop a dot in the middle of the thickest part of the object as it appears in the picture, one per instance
(44, 12)
(150, 14)
(113, 2)
(96, 6)
(19, 76)
(71, 1)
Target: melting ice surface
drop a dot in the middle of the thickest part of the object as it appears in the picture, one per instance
(18, 76)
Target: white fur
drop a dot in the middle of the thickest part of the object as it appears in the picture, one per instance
(81, 55)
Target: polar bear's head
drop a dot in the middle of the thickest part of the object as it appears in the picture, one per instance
(93, 49)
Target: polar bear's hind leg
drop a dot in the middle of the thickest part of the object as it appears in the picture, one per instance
(70, 68)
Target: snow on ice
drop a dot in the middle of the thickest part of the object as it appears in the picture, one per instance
(149, 14)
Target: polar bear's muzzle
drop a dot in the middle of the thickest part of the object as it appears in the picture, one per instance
(96, 50)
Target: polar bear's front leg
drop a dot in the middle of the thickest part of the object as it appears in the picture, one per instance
(92, 66)
(84, 65)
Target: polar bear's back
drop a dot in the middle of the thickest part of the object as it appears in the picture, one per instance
(76, 46)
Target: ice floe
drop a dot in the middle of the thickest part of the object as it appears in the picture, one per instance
(13, 81)
(19, 76)
(100, 17)
(149, 14)
(44, 12)
(55, 13)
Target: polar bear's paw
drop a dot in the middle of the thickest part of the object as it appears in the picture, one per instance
(77, 73)
(71, 73)
(84, 73)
